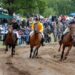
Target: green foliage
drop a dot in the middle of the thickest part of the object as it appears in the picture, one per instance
(49, 11)
(43, 7)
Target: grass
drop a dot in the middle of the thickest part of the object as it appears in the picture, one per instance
(1, 45)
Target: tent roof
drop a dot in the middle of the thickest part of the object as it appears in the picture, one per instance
(2, 16)
(72, 14)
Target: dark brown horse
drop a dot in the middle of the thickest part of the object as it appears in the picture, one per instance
(10, 40)
(35, 41)
(68, 40)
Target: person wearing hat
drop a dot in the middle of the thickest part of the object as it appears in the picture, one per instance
(40, 28)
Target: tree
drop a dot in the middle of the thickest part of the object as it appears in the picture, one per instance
(8, 4)
(43, 7)
(24, 6)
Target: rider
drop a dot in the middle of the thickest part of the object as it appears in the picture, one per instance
(67, 29)
(40, 28)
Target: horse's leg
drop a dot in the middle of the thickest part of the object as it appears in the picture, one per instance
(31, 50)
(13, 51)
(69, 48)
(60, 43)
(6, 48)
(36, 51)
(62, 54)
(34, 54)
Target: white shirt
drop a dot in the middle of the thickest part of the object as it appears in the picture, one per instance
(16, 32)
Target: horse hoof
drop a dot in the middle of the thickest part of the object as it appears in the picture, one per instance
(58, 50)
(29, 57)
(11, 55)
(33, 57)
(60, 60)
(65, 58)
(54, 56)
(5, 52)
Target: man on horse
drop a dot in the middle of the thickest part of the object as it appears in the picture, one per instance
(40, 28)
(67, 40)
(68, 29)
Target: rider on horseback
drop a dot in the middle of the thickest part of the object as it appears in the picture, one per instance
(40, 28)
(68, 29)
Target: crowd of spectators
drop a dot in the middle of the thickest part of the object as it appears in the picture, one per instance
(54, 24)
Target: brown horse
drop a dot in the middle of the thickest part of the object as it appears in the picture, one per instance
(10, 40)
(68, 40)
(35, 41)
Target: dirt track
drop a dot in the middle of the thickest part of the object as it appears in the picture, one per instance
(46, 64)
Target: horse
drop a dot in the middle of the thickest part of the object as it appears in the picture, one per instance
(10, 40)
(35, 42)
(68, 40)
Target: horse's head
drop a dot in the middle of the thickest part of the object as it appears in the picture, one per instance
(72, 30)
(10, 29)
(36, 30)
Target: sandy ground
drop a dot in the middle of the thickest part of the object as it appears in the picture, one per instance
(46, 64)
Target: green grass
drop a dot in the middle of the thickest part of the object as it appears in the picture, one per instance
(1, 45)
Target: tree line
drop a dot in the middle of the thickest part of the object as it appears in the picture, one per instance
(43, 7)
